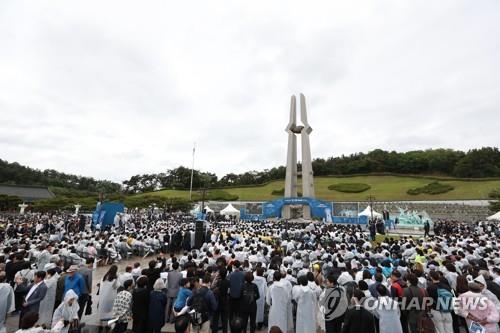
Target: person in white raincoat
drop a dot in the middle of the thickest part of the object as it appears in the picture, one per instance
(47, 304)
(306, 306)
(107, 293)
(388, 312)
(67, 311)
(6, 301)
(261, 283)
(279, 298)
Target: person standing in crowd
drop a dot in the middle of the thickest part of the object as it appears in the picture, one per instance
(12, 267)
(185, 292)
(74, 281)
(357, 318)
(44, 257)
(107, 293)
(122, 307)
(153, 272)
(427, 228)
(173, 282)
(204, 304)
(487, 316)
(388, 312)
(248, 305)
(7, 301)
(278, 298)
(60, 287)
(396, 290)
(127, 275)
(305, 298)
(67, 312)
(442, 304)
(47, 305)
(140, 305)
(85, 299)
(414, 301)
(261, 283)
(334, 304)
(220, 291)
(157, 304)
(236, 281)
(35, 295)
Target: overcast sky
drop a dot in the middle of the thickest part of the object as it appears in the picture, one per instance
(110, 89)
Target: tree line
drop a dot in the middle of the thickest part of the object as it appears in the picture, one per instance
(475, 163)
(16, 174)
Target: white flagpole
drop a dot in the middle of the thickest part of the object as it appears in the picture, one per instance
(192, 171)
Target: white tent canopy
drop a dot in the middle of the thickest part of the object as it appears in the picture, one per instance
(368, 212)
(230, 210)
(208, 209)
(494, 217)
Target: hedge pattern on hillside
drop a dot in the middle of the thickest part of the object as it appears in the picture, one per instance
(431, 188)
(350, 187)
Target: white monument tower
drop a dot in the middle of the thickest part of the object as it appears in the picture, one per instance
(291, 162)
(77, 208)
(22, 207)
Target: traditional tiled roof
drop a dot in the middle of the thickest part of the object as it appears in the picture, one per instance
(27, 193)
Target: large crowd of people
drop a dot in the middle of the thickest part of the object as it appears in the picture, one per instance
(279, 276)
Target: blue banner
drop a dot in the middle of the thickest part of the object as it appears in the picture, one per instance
(319, 209)
(350, 220)
(106, 212)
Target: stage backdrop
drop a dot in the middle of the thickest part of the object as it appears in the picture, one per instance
(319, 209)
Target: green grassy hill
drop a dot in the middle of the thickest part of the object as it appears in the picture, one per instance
(382, 188)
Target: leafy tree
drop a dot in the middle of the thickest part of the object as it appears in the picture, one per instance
(9, 202)
(484, 162)
(495, 205)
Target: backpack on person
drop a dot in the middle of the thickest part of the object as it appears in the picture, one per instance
(424, 320)
(444, 300)
(200, 307)
(248, 294)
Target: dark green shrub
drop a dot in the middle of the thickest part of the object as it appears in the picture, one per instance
(349, 187)
(431, 188)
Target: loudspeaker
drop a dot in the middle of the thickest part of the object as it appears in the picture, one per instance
(199, 234)
(200, 225)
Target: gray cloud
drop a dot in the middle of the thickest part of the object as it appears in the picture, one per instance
(111, 89)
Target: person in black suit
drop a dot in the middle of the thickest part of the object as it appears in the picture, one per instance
(35, 295)
(12, 267)
(357, 318)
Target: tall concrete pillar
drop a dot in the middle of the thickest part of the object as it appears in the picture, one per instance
(291, 162)
(307, 171)
(291, 159)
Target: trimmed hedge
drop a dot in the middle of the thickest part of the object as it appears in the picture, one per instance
(350, 187)
(431, 188)
(281, 192)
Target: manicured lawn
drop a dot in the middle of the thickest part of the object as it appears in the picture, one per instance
(382, 188)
